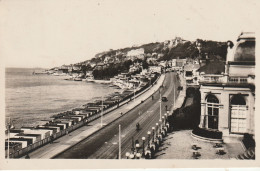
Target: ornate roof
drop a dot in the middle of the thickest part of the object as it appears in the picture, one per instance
(245, 48)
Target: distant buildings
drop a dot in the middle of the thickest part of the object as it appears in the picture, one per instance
(135, 54)
(191, 74)
(155, 69)
(178, 64)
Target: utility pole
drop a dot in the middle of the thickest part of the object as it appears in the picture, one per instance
(160, 106)
(134, 92)
(119, 153)
(102, 113)
(8, 135)
(174, 95)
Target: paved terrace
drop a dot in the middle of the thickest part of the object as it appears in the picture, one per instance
(177, 145)
(65, 142)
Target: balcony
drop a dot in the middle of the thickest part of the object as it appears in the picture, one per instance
(227, 80)
(211, 79)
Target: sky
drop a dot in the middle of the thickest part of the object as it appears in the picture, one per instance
(47, 33)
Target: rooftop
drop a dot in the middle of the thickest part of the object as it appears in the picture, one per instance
(213, 67)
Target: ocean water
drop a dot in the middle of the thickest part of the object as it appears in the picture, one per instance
(30, 98)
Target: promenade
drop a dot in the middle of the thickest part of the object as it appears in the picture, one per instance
(65, 142)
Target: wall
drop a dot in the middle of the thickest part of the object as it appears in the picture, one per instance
(241, 70)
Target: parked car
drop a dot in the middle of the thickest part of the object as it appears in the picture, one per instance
(164, 99)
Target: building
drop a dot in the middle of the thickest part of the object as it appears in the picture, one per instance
(191, 74)
(155, 69)
(228, 99)
(135, 54)
(178, 64)
(212, 71)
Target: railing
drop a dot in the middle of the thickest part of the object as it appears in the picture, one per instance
(237, 79)
(225, 79)
(211, 79)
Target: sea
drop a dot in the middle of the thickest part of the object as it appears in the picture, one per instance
(30, 98)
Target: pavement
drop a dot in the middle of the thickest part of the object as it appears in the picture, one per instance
(177, 145)
(65, 142)
(182, 94)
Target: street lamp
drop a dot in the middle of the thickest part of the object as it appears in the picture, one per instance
(149, 133)
(160, 106)
(163, 120)
(143, 138)
(8, 137)
(134, 92)
(127, 154)
(102, 113)
(138, 155)
(160, 123)
(131, 156)
(153, 133)
(137, 146)
(166, 117)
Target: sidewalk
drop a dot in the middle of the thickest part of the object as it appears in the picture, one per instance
(63, 143)
(181, 97)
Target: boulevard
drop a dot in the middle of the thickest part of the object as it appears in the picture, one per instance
(104, 143)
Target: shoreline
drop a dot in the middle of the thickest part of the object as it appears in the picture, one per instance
(93, 115)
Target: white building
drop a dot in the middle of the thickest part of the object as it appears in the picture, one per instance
(191, 74)
(136, 53)
(228, 99)
(155, 69)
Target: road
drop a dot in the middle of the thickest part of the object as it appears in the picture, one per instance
(104, 143)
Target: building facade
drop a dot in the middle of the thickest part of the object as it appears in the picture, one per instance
(228, 99)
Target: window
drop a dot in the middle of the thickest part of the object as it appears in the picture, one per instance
(212, 108)
(189, 74)
(238, 114)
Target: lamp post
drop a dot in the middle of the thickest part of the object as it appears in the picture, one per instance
(156, 129)
(138, 155)
(166, 117)
(8, 135)
(153, 128)
(119, 143)
(137, 146)
(148, 141)
(143, 138)
(173, 96)
(127, 154)
(131, 156)
(102, 113)
(156, 126)
(160, 121)
(134, 92)
(163, 120)
(160, 101)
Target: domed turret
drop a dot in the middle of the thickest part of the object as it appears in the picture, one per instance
(245, 48)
